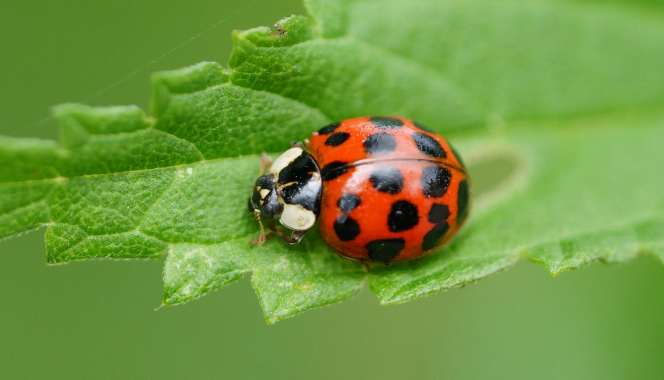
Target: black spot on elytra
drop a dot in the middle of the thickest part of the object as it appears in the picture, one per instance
(334, 170)
(346, 228)
(428, 145)
(387, 179)
(458, 157)
(438, 213)
(435, 180)
(403, 216)
(337, 139)
(385, 250)
(386, 122)
(348, 202)
(423, 127)
(435, 236)
(380, 143)
(326, 130)
(462, 201)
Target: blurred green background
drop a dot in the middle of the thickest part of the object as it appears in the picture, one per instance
(97, 320)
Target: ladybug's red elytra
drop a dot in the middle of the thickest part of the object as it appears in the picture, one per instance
(384, 188)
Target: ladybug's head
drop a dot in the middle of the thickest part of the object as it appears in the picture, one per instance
(264, 200)
(291, 191)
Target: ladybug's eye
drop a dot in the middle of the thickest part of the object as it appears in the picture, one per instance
(255, 201)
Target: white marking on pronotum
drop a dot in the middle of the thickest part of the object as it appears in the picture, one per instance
(285, 159)
(297, 217)
(264, 193)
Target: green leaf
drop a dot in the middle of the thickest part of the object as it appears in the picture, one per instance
(556, 108)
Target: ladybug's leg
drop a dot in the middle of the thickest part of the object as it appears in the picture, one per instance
(266, 162)
(261, 239)
(295, 237)
(297, 144)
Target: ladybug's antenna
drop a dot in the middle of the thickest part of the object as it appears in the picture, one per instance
(261, 239)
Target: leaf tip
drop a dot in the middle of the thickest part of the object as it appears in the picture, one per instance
(290, 31)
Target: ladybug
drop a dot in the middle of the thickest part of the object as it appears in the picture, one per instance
(384, 188)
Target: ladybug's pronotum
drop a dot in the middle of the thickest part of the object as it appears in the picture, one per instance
(385, 189)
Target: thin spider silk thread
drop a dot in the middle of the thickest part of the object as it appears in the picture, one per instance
(152, 62)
